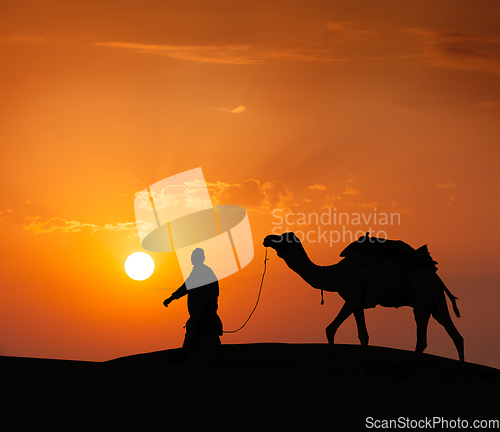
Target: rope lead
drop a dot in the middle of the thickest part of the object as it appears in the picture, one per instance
(258, 298)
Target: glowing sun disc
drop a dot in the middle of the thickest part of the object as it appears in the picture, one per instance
(139, 266)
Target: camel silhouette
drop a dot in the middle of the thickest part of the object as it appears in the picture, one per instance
(390, 273)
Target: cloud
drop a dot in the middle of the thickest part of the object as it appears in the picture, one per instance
(236, 110)
(190, 194)
(57, 224)
(302, 54)
(373, 204)
(448, 185)
(351, 191)
(338, 25)
(460, 49)
(493, 105)
(61, 225)
(317, 186)
(348, 29)
(400, 207)
(332, 200)
(6, 211)
(132, 228)
(252, 194)
(226, 54)
(276, 195)
(22, 38)
(126, 226)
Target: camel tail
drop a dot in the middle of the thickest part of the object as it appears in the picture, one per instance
(453, 300)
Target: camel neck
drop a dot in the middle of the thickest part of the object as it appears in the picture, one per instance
(300, 263)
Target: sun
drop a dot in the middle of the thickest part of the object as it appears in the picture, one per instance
(139, 266)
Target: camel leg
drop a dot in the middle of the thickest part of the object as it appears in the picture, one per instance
(422, 319)
(359, 315)
(442, 315)
(344, 313)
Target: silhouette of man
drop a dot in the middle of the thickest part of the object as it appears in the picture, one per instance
(204, 326)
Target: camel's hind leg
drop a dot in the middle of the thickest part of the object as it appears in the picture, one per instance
(442, 315)
(359, 315)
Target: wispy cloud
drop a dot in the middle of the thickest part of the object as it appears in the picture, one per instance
(6, 211)
(58, 224)
(22, 38)
(253, 195)
(401, 207)
(372, 204)
(351, 191)
(446, 185)
(317, 186)
(238, 109)
(347, 29)
(61, 225)
(460, 49)
(491, 105)
(338, 25)
(225, 54)
(332, 200)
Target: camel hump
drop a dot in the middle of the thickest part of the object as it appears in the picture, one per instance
(388, 256)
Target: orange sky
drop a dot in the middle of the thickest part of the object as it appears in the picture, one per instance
(284, 104)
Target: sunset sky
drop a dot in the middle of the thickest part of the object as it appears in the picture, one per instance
(359, 106)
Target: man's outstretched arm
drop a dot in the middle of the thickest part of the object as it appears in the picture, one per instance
(181, 292)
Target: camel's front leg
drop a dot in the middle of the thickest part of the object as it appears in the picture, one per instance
(359, 315)
(344, 313)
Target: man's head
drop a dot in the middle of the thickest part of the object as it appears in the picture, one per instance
(198, 256)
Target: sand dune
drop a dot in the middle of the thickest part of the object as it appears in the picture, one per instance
(276, 377)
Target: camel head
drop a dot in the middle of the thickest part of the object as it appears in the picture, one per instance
(282, 243)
